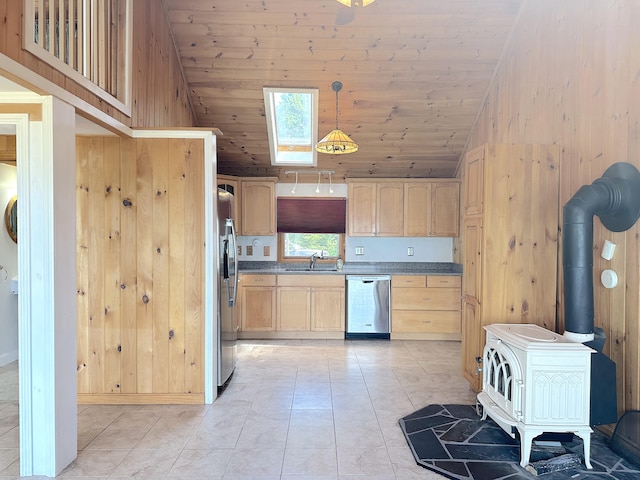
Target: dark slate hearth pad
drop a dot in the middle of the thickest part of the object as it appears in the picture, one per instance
(453, 441)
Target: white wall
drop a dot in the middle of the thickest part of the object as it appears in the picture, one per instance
(8, 270)
(376, 249)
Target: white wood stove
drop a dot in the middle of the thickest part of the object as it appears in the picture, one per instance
(536, 381)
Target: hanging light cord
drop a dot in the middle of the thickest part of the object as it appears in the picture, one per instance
(337, 89)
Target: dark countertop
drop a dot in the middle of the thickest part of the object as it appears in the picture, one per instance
(354, 268)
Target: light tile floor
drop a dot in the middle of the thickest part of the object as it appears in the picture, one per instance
(312, 410)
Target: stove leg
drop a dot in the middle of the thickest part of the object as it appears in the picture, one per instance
(526, 439)
(585, 435)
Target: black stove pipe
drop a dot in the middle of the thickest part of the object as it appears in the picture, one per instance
(615, 198)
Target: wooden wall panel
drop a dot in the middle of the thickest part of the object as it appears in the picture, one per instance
(140, 279)
(8, 149)
(194, 263)
(128, 262)
(570, 75)
(159, 93)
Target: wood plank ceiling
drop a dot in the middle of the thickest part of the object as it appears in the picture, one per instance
(415, 74)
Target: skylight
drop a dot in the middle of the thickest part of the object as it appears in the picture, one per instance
(292, 123)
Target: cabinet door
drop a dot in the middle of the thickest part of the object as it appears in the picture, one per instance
(258, 309)
(258, 208)
(445, 210)
(472, 342)
(417, 209)
(426, 321)
(471, 262)
(327, 309)
(389, 210)
(293, 308)
(474, 181)
(361, 206)
(426, 298)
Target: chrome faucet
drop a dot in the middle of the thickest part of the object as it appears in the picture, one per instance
(314, 257)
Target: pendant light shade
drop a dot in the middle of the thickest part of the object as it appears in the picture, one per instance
(337, 142)
(356, 3)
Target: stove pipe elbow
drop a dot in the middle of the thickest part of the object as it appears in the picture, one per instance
(615, 198)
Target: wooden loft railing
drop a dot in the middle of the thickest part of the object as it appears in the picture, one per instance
(88, 40)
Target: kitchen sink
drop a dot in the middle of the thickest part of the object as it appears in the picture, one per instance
(308, 269)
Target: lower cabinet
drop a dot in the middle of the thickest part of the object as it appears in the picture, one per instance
(301, 306)
(327, 309)
(425, 307)
(471, 363)
(257, 303)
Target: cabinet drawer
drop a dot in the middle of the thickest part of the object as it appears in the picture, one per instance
(425, 322)
(249, 280)
(409, 281)
(435, 281)
(425, 299)
(311, 280)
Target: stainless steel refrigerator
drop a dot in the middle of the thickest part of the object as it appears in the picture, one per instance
(227, 288)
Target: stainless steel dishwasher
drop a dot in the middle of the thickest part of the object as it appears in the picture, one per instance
(368, 306)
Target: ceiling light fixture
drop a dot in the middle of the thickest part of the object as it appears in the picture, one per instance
(311, 172)
(356, 3)
(336, 142)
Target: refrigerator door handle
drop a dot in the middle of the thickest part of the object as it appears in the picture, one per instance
(225, 260)
(234, 295)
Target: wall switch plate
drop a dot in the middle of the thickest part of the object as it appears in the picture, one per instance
(359, 250)
(410, 251)
(249, 250)
(239, 250)
(266, 251)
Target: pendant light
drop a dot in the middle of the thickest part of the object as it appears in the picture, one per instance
(336, 142)
(356, 3)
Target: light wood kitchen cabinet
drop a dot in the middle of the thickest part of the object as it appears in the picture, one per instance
(472, 342)
(327, 309)
(373, 209)
(509, 242)
(389, 204)
(293, 311)
(395, 208)
(293, 306)
(258, 206)
(311, 303)
(474, 181)
(431, 209)
(425, 306)
(257, 303)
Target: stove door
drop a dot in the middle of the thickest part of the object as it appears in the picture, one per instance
(502, 378)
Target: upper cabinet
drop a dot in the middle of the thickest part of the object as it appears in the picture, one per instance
(373, 209)
(258, 206)
(474, 181)
(395, 208)
(431, 209)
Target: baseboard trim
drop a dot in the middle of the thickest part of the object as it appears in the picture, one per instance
(425, 336)
(141, 398)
